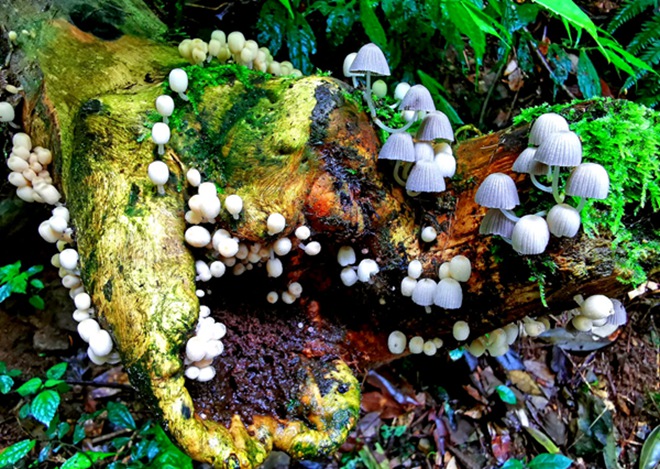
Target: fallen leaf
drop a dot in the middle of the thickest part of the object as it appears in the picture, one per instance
(524, 381)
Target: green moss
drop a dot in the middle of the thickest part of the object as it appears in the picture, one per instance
(624, 137)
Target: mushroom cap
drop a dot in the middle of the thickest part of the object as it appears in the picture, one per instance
(165, 105)
(160, 133)
(497, 191)
(348, 276)
(178, 79)
(428, 234)
(525, 163)
(460, 268)
(416, 344)
(348, 61)
(545, 125)
(495, 222)
(346, 256)
(597, 307)
(418, 98)
(275, 223)
(399, 146)
(101, 343)
(159, 173)
(282, 246)
(530, 235)
(560, 149)
(425, 176)
(424, 292)
(588, 180)
(370, 59)
(367, 268)
(396, 342)
(448, 294)
(563, 220)
(7, 113)
(447, 163)
(620, 317)
(461, 330)
(415, 269)
(400, 90)
(197, 236)
(234, 204)
(408, 286)
(435, 126)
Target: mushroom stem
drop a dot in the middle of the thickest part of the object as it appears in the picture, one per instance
(161, 149)
(183, 96)
(555, 185)
(540, 186)
(367, 96)
(161, 189)
(397, 178)
(510, 215)
(506, 240)
(11, 124)
(427, 309)
(542, 213)
(356, 83)
(579, 299)
(581, 203)
(165, 120)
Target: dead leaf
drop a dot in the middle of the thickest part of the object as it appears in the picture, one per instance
(524, 381)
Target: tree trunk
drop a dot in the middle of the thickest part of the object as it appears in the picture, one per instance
(299, 147)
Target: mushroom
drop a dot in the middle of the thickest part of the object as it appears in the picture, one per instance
(428, 234)
(563, 220)
(495, 222)
(400, 147)
(346, 256)
(499, 191)
(448, 294)
(234, 205)
(424, 292)
(275, 223)
(165, 106)
(370, 60)
(545, 125)
(530, 235)
(415, 269)
(460, 268)
(7, 114)
(425, 176)
(416, 344)
(178, 79)
(160, 134)
(366, 269)
(588, 180)
(559, 149)
(435, 126)
(525, 163)
(461, 330)
(396, 342)
(159, 174)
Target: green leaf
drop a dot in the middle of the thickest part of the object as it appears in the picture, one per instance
(550, 461)
(301, 42)
(14, 453)
(9, 271)
(506, 394)
(460, 17)
(62, 429)
(6, 383)
(437, 91)
(513, 464)
(30, 387)
(35, 269)
(37, 302)
(36, 283)
(650, 455)
(77, 461)
(24, 411)
(371, 25)
(5, 292)
(587, 76)
(119, 415)
(569, 11)
(51, 383)
(170, 456)
(542, 439)
(340, 22)
(631, 59)
(287, 5)
(79, 433)
(57, 371)
(44, 406)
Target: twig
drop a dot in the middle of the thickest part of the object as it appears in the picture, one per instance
(101, 385)
(110, 436)
(548, 68)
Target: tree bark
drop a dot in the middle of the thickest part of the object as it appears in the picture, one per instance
(300, 147)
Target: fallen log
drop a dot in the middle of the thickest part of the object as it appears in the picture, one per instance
(299, 147)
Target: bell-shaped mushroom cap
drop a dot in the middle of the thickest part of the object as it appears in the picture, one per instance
(370, 59)
(447, 163)
(525, 163)
(495, 222)
(563, 220)
(396, 342)
(545, 125)
(425, 176)
(448, 294)
(435, 126)
(399, 146)
(597, 307)
(560, 149)
(424, 292)
(418, 98)
(620, 317)
(588, 180)
(530, 235)
(497, 191)
(460, 268)
(423, 151)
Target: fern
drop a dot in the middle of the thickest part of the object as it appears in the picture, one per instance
(650, 32)
(628, 11)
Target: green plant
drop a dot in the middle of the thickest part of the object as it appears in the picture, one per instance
(133, 446)
(12, 280)
(467, 35)
(645, 44)
(541, 461)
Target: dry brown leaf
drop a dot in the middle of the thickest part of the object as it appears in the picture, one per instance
(524, 381)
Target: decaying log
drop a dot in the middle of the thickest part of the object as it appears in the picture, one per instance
(300, 147)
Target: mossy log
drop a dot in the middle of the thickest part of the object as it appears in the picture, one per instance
(300, 147)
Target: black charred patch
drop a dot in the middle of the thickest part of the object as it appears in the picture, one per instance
(326, 101)
(103, 21)
(185, 411)
(107, 290)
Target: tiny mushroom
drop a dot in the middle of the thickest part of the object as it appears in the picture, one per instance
(396, 342)
(499, 191)
(165, 106)
(160, 134)
(159, 173)
(545, 125)
(530, 235)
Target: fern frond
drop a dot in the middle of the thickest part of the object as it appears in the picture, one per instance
(651, 55)
(650, 32)
(629, 10)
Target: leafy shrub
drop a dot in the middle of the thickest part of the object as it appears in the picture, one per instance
(12, 280)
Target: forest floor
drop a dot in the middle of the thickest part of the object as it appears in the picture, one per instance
(595, 407)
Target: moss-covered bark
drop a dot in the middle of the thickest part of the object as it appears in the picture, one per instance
(291, 146)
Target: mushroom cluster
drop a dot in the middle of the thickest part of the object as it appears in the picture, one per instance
(552, 147)
(446, 293)
(422, 163)
(597, 314)
(397, 342)
(351, 274)
(29, 171)
(234, 47)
